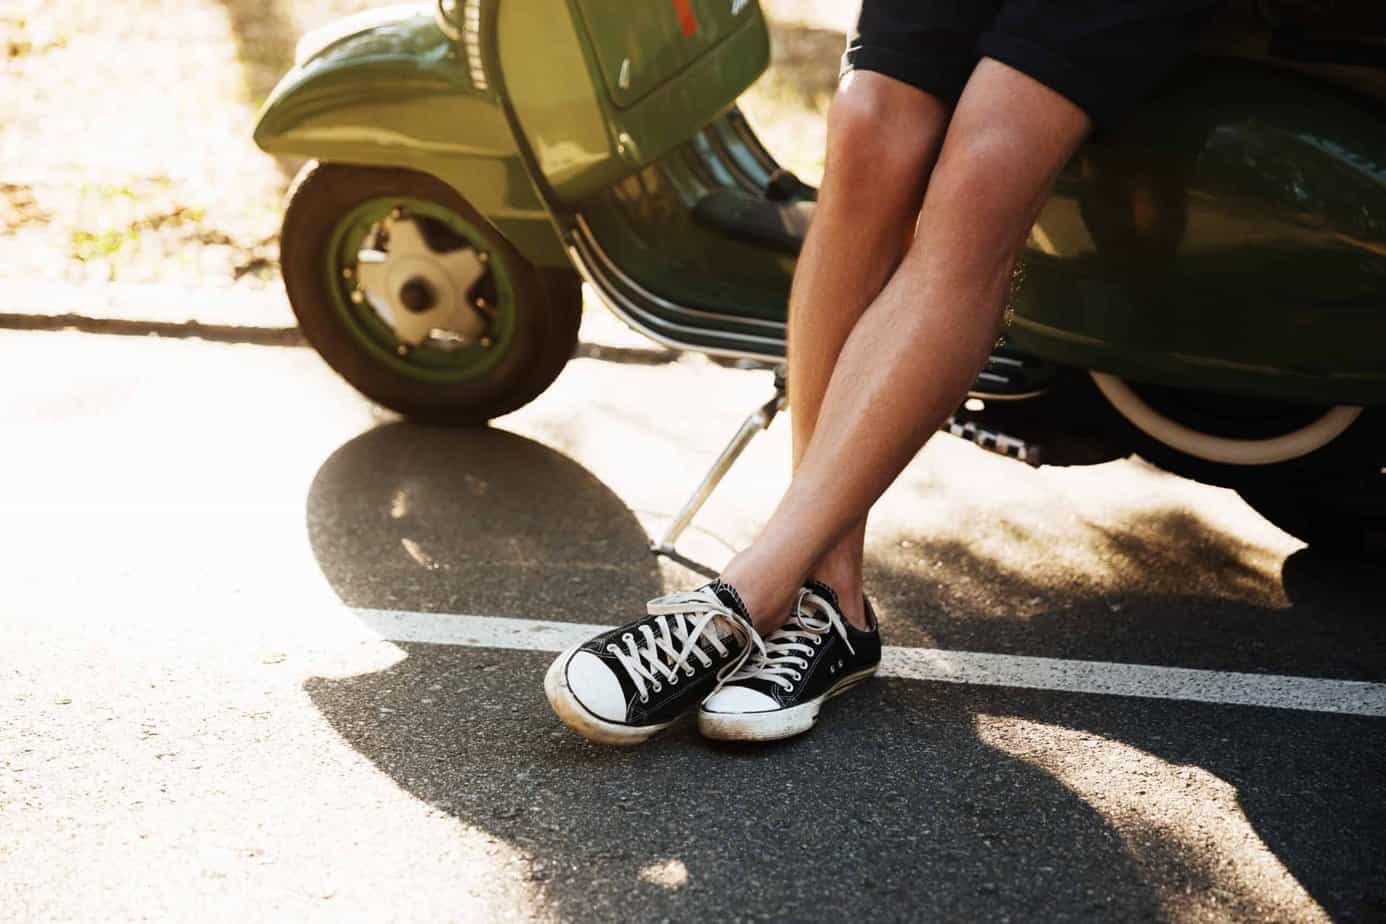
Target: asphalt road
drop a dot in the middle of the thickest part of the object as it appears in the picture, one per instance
(196, 721)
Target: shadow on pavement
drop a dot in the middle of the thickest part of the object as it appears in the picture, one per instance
(474, 521)
(910, 801)
(1170, 589)
(1164, 587)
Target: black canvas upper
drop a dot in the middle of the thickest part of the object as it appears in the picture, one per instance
(832, 659)
(673, 699)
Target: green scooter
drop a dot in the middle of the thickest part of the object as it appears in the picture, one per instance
(1209, 281)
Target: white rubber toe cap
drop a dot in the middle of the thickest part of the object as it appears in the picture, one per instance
(593, 684)
(739, 699)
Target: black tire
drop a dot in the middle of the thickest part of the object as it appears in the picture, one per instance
(1345, 517)
(548, 302)
(1333, 498)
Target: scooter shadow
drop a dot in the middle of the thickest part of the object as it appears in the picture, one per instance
(896, 807)
(474, 521)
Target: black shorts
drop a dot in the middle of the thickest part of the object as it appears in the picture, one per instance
(1102, 55)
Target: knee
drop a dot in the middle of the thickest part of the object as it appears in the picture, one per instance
(980, 156)
(990, 169)
(882, 136)
(983, 196)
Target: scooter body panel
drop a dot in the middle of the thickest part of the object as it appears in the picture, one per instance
(639, 47)
(620, 85)
(647, 225)
(1231, 238)
(557, 105)
(401, 93)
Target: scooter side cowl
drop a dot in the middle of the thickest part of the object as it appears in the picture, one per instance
(1230, 237)
(620, 84)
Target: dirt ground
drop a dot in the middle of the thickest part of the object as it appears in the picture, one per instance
(125, 130)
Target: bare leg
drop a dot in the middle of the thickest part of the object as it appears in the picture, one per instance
(910, 358)
(883, 138)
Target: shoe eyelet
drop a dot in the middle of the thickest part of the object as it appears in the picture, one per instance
(644, 698)
(797, 676)
(657, 688)
(627, 637)
(612, 649)
(688, 671)
(674, 681)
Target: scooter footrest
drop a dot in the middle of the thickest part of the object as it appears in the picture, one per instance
(755, 220)
(1010, 373)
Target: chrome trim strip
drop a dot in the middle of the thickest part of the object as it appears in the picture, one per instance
(591, 266)
(590, 240)
(631, 315)
(634, 317)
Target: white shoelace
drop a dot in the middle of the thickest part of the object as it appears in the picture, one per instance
(663, 651)
(788, 650)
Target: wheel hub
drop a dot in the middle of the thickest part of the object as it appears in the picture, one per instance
(417, 295)
(424, 294)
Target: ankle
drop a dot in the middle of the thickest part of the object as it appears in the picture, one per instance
(767, 603)
(848, 587)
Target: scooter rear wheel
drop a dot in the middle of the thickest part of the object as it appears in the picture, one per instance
(1315, 472)
(416, 300)
(1344, 516)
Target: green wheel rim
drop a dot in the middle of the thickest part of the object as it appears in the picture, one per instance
(375, 335)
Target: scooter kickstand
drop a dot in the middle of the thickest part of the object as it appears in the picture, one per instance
(758, 421)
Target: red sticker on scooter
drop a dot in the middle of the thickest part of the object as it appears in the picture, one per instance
(687, 20)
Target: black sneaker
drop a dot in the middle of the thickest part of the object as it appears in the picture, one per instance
(809, 660)
(634, 681)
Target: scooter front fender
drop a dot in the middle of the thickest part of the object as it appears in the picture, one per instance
(1231, 237)
(398, 92)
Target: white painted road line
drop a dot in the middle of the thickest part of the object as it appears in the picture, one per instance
(1271, 691)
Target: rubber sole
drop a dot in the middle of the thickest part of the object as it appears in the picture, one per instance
(776, 724)
(574, 715)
